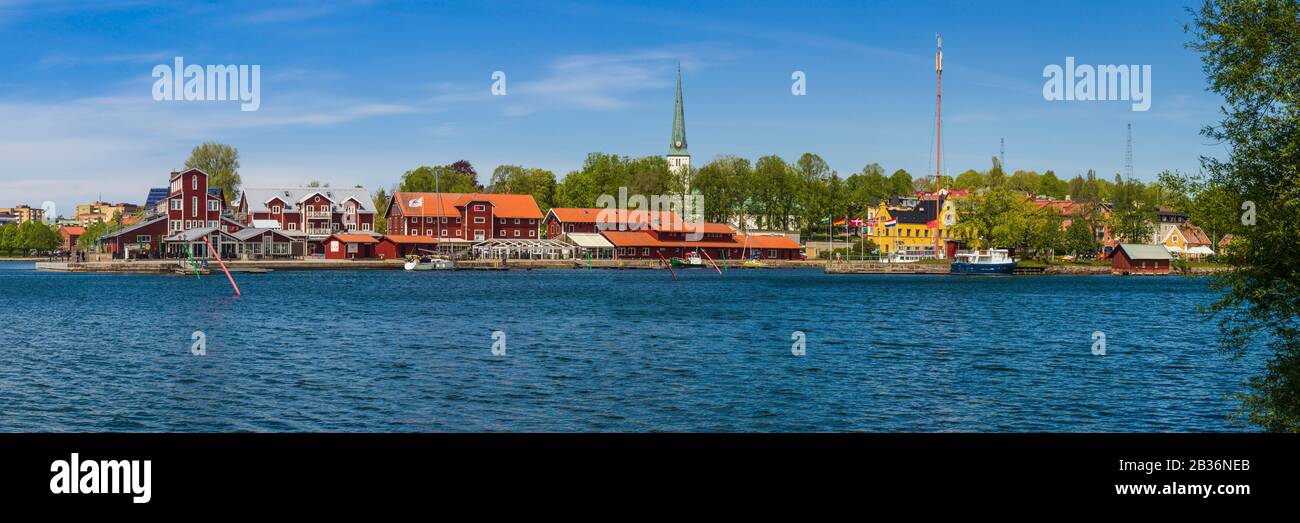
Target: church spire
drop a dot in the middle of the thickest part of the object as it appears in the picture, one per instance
(678, 145)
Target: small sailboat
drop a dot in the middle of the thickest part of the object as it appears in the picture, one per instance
(691, 260)
(992, 261)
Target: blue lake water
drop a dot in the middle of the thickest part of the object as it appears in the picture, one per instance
(608, 351)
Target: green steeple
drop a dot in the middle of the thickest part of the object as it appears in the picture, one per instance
(677, 147)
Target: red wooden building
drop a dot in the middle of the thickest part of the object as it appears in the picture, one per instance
(456, 218)
(719, 241)
(349, 246)
(1132, 258)
(401, 246)
(561, 220)
(70, 234)
(186, 204)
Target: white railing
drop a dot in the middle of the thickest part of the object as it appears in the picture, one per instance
(319, 215)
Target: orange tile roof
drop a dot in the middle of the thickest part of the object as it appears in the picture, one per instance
(354, 238)
(448, 204)
(73, 230)
(404, 238)
(768, 241)
(1194, 235)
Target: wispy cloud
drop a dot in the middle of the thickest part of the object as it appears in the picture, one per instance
(67, 60)
(595, 82)
(302, 11)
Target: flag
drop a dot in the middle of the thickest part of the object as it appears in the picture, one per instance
(856, 222)
(418, 202)
(841, 221)
(891, 222)
(932, 224)
(825, 220)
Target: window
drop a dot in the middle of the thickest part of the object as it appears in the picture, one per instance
(276, 209)
(516, 233)
(143, 238)
(444, 232)
(532, 233)
(532, 221)
(502, 221)
(194, 182)
(645, 251)
(428, 219)
(516, 221)
(478, 219)
(212, 205)
(176, 204)
(293, 226)
(457, 232)
(176, 225)
(212, 223)
(194, 206)
(444, 219)
(365, 226)
(478, 207)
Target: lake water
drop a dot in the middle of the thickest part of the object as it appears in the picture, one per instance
(608, 351)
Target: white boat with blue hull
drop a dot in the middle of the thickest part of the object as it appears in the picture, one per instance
(992, 261)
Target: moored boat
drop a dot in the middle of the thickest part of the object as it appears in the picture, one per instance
(428, 263)
(992, 261)
(691, 260)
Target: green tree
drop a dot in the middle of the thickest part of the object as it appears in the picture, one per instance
(900, 184)
(1051, 186)
(1250, 50)
(1132, 215)
(445, 178)
(380, 200)
(722, 184)
(1025, 182)
(8, 237)
(814, 175)
(221, 162)
(1080, 239)
(994, 217)
(514, 179)
(970, 180)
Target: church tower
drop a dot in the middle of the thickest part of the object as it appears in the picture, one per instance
(679, 161)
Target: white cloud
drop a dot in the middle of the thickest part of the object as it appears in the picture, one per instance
(596, 82)
(70, 151)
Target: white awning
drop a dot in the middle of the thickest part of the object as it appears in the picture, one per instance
(1200, 249)
(266, 224)
(589, 240)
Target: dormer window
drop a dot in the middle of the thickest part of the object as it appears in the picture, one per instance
(478, 207)
(194, 182)
(275, 209)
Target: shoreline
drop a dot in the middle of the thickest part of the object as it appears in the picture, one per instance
(847, 268)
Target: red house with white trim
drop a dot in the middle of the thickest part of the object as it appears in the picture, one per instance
(463, 219)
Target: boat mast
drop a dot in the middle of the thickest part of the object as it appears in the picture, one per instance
(938, 145)
(437, 197)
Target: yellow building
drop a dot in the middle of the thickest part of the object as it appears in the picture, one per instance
(24, 213)
(912, 230)
(95, 212)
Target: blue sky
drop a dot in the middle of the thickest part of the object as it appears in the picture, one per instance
(359, 92)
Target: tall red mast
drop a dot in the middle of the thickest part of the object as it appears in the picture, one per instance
(938, 144)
